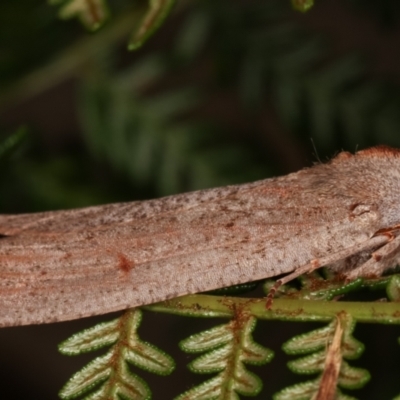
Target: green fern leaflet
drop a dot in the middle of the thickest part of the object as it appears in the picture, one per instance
(228, 347)
(109, 375)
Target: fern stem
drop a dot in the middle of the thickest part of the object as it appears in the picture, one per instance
(282, 309)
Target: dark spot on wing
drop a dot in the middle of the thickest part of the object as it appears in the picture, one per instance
(124, 264)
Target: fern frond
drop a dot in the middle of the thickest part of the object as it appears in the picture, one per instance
(109, 374)
(144, 137)
(335, 102)
(91, 339)
(228, 348)
(306, 391)
(92, 13)
(157, 12)
(315, 287)
(329, 346)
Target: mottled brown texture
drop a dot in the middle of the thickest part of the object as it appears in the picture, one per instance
(63, 265)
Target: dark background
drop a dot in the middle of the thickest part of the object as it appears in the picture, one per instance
(225, 92)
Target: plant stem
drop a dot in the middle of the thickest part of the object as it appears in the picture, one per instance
(282, 309)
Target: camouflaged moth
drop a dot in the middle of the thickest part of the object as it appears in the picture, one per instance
(62, 265)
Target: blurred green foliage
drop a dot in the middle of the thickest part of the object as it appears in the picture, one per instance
(143, 116)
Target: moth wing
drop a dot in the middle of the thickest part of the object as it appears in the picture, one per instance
(63, 265)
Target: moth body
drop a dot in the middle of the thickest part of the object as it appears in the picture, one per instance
(63, 265)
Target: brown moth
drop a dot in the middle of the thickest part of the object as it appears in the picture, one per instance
(57, 266)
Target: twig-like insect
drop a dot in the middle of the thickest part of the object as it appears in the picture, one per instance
(63, 265)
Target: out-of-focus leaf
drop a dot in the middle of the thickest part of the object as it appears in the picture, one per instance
(157, 12)
(92, 13)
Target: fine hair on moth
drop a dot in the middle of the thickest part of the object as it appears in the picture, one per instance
(63, 265)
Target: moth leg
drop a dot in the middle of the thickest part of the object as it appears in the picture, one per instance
(375, 241)
(381, 259)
